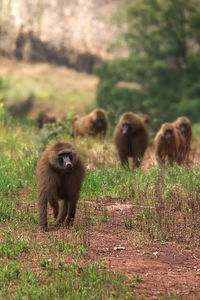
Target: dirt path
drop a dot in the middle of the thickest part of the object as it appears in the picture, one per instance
(164, 268)
(156, 268)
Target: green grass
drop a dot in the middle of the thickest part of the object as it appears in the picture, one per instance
(61, 281)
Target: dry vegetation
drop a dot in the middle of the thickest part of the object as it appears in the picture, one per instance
(56, 88)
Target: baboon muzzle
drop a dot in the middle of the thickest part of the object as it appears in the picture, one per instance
(99, 123)
(125, 129)
(68, 164)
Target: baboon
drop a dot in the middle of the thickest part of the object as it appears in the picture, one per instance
(48, 117)
(59, 173)
(96, 123)
(169, 145)
(131, 138)
(183, 124)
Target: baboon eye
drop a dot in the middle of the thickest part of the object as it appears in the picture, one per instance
(60, 159)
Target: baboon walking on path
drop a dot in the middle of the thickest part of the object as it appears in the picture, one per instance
(60, 173)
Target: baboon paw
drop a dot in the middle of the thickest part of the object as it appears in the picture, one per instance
(43, 228)
(69, 222)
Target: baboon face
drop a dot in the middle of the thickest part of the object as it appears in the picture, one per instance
(98, 123)
(63, 158)
(183, 127)
(183, 124)
(65, 161)
(98, 119)
(168, 131)
(126, 128)
(130, 123)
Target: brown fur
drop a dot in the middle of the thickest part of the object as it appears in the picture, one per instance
(133, 144)
(49, 117)
(87, 125)
(169, 149)
(186, 133)
(55, 184)
(146, 119)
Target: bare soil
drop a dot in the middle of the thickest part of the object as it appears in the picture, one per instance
(164, 268)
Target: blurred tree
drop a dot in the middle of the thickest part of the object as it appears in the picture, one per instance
(163, 40)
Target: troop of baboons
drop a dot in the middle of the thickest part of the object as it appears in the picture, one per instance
(60, 171)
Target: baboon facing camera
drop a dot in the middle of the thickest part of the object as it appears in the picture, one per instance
(94, 124)
(183, 124)
(131, 138)
(60, 173)
(169, 145)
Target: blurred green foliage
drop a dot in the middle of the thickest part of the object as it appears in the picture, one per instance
(163, 65)
(52, 130)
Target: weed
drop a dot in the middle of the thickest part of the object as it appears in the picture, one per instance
(44, 262)
(10, 247)
(104, 216)
(130, 224)
(138, 278)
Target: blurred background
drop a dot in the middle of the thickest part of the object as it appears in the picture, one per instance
(122, 55)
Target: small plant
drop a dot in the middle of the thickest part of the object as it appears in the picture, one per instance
(30, 278)
(82, 249)
(133, 285)
(4, 117)
(130, 224)
(9, 247)
(10, 272)
(138, 278)
(104, 217)
(44, 263)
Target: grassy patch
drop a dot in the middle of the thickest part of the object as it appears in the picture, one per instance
(64, 282)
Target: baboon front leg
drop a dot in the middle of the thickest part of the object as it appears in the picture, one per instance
(71, 212)
(54, 204)
(62, 212)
